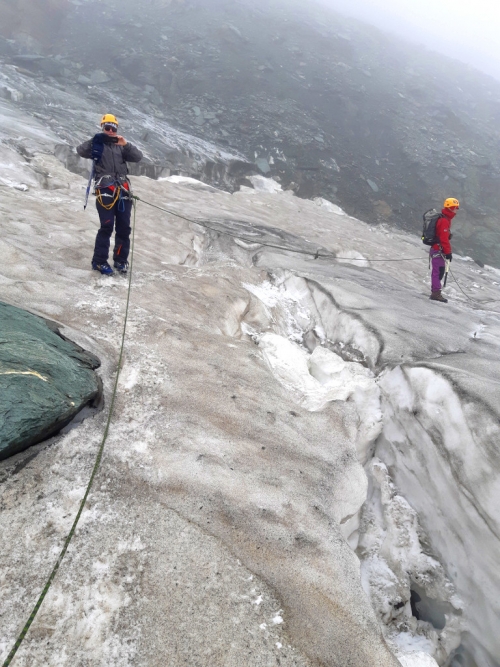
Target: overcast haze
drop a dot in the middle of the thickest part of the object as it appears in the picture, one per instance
(463, 29)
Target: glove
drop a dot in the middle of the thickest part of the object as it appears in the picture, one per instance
(103, 138)
(450, 256)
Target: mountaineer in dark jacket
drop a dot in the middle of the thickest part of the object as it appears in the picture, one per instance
(110, 153)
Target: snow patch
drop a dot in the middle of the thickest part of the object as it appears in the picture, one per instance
(314, 379)
(352, 257)
(328, 206)
(432, 433)
(418, 660)
(129, 379)
(186, 180)
(263, 184)
(397, 573)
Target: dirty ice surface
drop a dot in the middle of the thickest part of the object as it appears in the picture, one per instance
(309, 440)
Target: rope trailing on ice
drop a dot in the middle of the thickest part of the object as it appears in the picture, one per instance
(71, 533)
(309, 253)
(475, 301)
(316, 255)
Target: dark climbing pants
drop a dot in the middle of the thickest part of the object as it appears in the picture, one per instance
(117, 218)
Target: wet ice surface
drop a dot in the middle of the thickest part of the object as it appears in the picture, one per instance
(278, 416)
(41, 114)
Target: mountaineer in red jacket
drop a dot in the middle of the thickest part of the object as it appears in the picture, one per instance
(441, 250)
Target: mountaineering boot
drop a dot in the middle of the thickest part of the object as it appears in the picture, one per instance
(121, 267)
(437, 296)
(103, 268)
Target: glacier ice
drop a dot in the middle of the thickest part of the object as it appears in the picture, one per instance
(312, 433)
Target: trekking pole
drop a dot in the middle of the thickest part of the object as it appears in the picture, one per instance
(446, 269)
(91, 177)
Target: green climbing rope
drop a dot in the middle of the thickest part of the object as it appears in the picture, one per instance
(47, 586)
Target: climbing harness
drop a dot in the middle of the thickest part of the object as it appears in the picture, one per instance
(98, 142)
(120, 194)
(115, 198)
(71, 533)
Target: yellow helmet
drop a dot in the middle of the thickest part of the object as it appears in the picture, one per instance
(451, 202)
(109, 118)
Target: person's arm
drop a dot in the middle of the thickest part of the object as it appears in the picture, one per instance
(443, 234)
(85, 149)
(131, 153)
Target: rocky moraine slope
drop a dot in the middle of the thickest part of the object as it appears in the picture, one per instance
(327, 105)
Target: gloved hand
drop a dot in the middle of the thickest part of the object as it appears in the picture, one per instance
(450, 256)
(103, 138)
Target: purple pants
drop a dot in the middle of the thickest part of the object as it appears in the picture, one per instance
(438, 267)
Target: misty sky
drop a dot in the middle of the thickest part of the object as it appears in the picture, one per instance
(464, 29)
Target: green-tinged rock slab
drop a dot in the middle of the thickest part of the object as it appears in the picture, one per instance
(45, 380)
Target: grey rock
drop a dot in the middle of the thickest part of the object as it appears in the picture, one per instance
(263, 165)
(156, 98)
(28, 58)
(98, 76)
(52, 67)
(373, 185)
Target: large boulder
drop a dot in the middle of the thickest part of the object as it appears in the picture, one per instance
(45, 380)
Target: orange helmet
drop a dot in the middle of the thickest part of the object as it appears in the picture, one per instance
(452, 203)
(109, 118)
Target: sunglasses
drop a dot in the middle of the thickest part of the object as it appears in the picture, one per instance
(110, 128)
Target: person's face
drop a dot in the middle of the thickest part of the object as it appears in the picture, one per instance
(110, 129)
